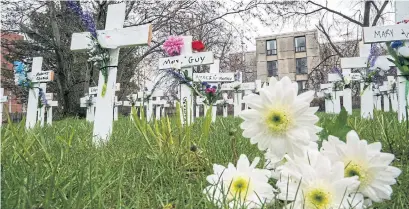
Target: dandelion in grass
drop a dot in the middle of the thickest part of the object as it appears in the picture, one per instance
(367, 162)
(279, 119)
(241, 186)
(313, 182)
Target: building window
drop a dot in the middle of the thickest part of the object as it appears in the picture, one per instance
(299, 43)
(272, 68)
(301, 86)
(301, 65)
(271, 47)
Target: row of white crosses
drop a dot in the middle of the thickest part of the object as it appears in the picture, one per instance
(214, 77)
(39, 79)
(380, 34)
(185, 61)
(49, 108)
(113, 38)
(89, 101)
(140, 100)
(333, 104)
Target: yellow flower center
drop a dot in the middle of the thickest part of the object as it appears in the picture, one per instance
(354, 169)
(240, 187)
(279, 120)
(318, 198)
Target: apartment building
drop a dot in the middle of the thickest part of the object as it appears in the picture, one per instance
(244, 62)
(14, 103)
(292, 54)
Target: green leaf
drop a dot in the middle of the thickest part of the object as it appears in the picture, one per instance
(338, 127)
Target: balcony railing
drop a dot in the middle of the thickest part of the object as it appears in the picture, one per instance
(300, 49)
(271, 52)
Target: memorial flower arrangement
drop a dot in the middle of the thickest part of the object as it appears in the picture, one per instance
(210, 93)
(345, 81)
(198, 46)
(20, 74)
(377, 67)
(348, 173)
(173, 45)
(399, 50)
(98, 54)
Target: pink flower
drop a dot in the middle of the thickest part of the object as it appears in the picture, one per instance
(210, 91)
(173, 45)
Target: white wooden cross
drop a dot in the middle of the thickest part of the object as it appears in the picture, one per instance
(41, 111)
(158, 103)
(186, 60)
(89, 102)
(377, 100)
(37, 76)
(49, 110)
(326, 88)
(336, 99)
(238, 94)
(225, 102)
(133, 102)
(163, 111)
(367, 100)
(116, 105)
(385, 91)
(393, 96)
(113, 38)
(199, 104)
(397, 32)
(3, 99)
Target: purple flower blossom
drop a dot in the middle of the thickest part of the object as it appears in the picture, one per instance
(86, 17)
(178, 76)
(42, 97)
(373, 55)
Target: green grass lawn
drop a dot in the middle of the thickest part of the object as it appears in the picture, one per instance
(57, 167)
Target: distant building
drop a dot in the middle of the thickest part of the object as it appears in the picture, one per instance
(245, 63)
(13, 105)
(289, 54)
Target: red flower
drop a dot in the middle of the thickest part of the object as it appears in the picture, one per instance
(198, 46)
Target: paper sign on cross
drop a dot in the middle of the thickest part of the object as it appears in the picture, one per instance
(186, 60)
(113, 37)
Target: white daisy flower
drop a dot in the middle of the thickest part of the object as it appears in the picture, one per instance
(365, 161)
(244, 186)
(279, 120)
(313, 182)
(272, 162)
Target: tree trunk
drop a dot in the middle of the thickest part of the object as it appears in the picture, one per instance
(367, 13)
(61, 78)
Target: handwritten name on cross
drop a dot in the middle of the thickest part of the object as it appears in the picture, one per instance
(113, 37)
